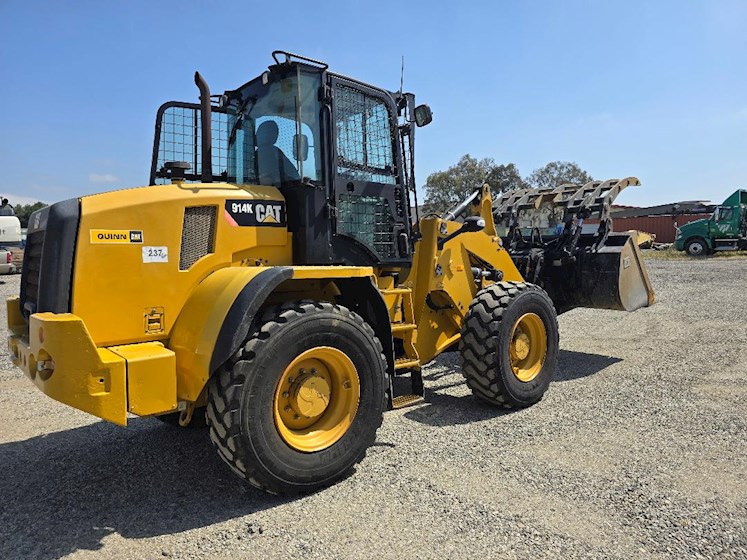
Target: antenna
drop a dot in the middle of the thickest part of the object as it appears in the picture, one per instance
(402, 76)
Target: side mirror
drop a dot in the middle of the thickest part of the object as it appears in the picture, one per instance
(423, 115)
(300, 147)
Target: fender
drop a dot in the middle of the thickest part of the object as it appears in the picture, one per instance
(194, 338)
(218, 315)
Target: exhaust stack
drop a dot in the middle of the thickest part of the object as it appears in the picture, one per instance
(205, 121)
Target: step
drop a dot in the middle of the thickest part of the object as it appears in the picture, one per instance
(406, 400)
(395, 291)
(406, 363)
(402, 327)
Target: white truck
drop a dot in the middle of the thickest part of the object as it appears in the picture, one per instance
(10, 239)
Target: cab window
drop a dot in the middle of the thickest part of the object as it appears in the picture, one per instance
(364, 137)
(724, 214)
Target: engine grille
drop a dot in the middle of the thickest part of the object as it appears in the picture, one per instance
(32, 256)
(198, 235)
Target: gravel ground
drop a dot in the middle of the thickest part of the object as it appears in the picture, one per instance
(637, 451)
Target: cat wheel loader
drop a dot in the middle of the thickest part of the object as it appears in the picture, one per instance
(272, 282)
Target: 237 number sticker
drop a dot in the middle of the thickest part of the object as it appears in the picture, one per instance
(155, 254)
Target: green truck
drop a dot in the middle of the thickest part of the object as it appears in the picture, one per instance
(725, 230)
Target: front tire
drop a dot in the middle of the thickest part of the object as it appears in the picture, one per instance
(696, 247)
(509, 344)
(298, 405)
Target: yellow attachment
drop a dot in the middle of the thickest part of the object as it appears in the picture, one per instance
(528, 347)
(59, 356)
(643, 239)
(151, 377)
(316, 399)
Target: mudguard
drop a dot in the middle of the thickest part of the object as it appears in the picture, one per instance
(218, 315)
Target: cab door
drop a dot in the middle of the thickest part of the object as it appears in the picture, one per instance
(726, 224)
(371, 222)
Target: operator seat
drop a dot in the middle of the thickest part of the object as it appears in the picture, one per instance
(273, 167)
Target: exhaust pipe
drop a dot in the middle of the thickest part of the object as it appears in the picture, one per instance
(205, 120)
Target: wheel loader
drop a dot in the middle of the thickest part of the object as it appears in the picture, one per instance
(275, 283)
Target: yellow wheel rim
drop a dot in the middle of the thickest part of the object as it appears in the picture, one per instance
(316, 399)
(528, 347)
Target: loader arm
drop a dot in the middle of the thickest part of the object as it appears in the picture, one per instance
(444, 281)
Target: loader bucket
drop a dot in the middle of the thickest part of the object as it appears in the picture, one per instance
(612, 277)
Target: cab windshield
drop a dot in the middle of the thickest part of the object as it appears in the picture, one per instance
(723, 214)
(273, 129)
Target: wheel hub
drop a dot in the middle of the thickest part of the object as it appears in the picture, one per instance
(528, 347)
(311, 394)
(520, 346)
(316, 399)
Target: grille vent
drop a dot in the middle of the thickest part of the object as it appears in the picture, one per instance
(198, 235)
(30, 274)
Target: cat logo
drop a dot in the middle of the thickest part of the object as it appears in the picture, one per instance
(268, 213)
(253, 213)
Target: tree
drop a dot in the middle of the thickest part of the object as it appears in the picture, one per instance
(24, 211)
(505, 178)
(444, 189)
(556, 173)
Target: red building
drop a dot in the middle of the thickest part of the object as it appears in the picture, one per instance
(659, 220)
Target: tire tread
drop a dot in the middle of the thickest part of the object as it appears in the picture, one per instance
(226, 386)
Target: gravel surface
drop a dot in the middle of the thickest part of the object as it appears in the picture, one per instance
(637, 451)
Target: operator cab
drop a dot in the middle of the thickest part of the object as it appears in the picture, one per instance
(340, 151)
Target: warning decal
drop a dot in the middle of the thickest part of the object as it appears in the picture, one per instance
(253, 213)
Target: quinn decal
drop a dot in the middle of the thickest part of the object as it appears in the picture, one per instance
(116, 236)
(253, 213)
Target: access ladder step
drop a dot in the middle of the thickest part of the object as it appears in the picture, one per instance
(402, 327)
(406, 400)
(406, 363)
(395, 291)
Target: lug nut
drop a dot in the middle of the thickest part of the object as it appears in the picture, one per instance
(285, 394)
(287, 409)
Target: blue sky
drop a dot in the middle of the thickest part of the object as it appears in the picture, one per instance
(655, 89)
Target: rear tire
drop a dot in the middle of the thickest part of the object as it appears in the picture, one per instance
(509, 344)
(289, 429)
(696, 247)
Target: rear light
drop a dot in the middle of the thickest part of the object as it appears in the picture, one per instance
(10, 258)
